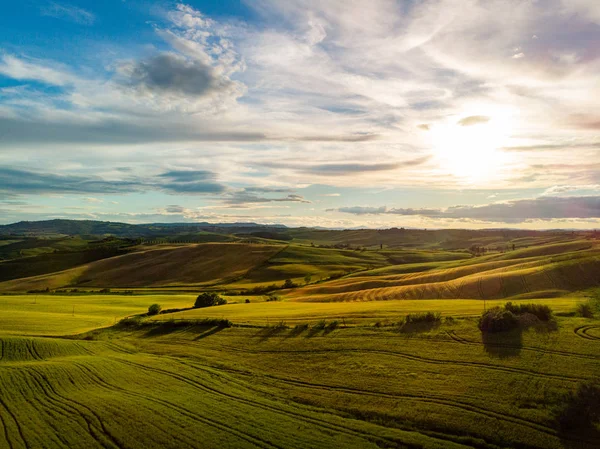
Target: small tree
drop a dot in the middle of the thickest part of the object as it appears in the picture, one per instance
(209, 299)
(289, 284)
(154, 309)
(307, 279)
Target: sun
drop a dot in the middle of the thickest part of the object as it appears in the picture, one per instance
(469, 146)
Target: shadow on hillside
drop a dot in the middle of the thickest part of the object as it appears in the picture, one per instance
(503, 345)
(269, 332)
(209, 332)
(578, 420)
(415, 328)
(170, 328)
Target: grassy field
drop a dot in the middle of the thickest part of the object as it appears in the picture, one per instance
(352, 313)
(323, 365)
(208, 386)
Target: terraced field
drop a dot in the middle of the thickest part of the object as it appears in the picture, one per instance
(544, 271)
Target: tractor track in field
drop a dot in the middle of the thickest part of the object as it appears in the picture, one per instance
(5, 434)
(583, 332)
(97, 380)
(17, 424)
(72, 405)
(438, 400)
(464, 341)
(309, 420)
(306, 419)
(417, 359)
(433, 399)
(256, 441)
(432, 434)
(51, 406)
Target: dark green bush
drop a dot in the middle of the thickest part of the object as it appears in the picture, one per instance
(543, 312)
(497, 320)
(154, 309)
(426, 317)
(289, 284)
(247, 301)
(585, 310)
(131, 321)
(209, 299)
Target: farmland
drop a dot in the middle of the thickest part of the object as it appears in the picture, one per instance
(328, 360)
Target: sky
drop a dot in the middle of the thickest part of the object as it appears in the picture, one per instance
(336, 113)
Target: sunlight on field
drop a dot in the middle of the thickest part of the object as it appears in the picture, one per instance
(69, 314)
(351, 312)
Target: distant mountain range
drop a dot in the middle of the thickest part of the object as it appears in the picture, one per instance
(99, 228)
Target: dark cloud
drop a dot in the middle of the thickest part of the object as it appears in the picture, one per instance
(362, 210)
(352, 168)
(16, 181)
(517, 211)
(337, 138)
(473, 120)
(174, 209)
(191, 181)
(39, 132)
(249, 196)
(26, 182)
(171, 73)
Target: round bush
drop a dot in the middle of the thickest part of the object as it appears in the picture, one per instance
(154, 309)
(497, 320)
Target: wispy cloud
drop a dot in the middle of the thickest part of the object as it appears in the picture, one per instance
(68, 12)
(518, 211)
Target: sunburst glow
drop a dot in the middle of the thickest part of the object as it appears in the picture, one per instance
(469, 147)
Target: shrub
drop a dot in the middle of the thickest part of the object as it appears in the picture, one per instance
(543, 312)
(426, 317)
(104, 290)
(301, 327)
(585, 310)
(289, 284)
(154, 309)
(497, 320)
(247, 301)
(209, 299)
(131, 321)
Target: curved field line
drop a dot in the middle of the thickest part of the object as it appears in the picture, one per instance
(257, 441)
(582, 331)
(250, 402)
(51, 404)
(464, 341)
(19, 428)
(431, 434)
(5, 434)
(100, 424)
(437, 400)
(418, 359)
(98, 381)
(310, 420)
(307, 419)
(421, 398)
(63, 403)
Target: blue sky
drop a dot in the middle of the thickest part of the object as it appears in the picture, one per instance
(439, 113)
